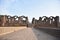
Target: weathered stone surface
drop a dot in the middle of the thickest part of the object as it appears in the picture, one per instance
(6, 20)
(46, 21)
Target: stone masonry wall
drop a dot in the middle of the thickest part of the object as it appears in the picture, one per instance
(7, 20)
(46, 21)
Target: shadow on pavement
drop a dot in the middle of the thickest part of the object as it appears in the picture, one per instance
(47, 34)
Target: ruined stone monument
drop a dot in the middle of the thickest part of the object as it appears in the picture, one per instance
(7, 20)
(46, 21)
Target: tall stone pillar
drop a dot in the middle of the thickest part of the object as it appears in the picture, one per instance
(33, 22)
(57, 21)
(0, 20)
(4, 20)
(20, 20)
(40, 19)
(27, 21)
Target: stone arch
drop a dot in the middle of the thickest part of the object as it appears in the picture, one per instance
(52, 19)
(16, 18)
(33, 20)
(23, 18)
(44, 18)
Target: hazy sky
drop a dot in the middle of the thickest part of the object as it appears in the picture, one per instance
(30, 8)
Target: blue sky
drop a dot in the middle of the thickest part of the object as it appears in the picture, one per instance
(30, 8)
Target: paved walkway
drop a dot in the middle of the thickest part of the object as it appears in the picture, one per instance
(46, 34)
(30, 34)
(25, 34)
